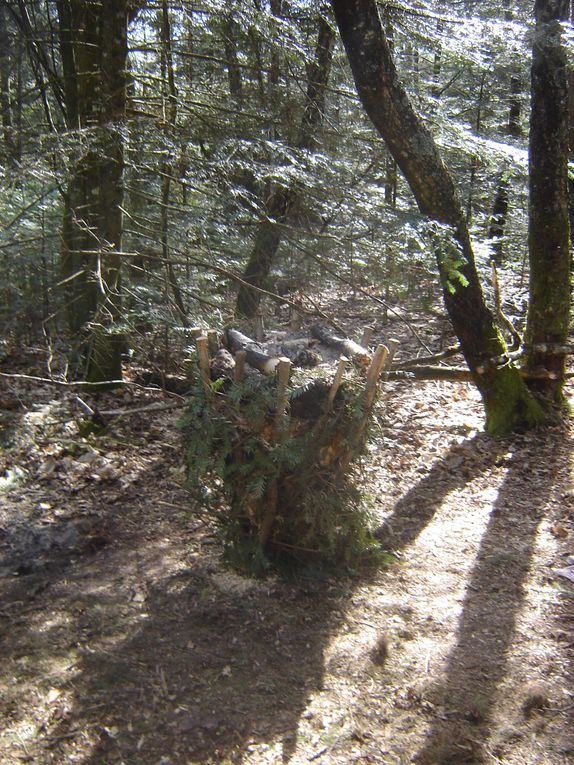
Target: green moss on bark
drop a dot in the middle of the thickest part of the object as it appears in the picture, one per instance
(509, 406)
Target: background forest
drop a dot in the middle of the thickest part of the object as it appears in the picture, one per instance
(154, 169)
(171, 167)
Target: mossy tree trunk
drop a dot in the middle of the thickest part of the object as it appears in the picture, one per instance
(93, 45)
(549, 235)
(507, 401)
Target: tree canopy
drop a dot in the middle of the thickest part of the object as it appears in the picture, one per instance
(230, 152)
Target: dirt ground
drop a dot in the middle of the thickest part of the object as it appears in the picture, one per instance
(125, 639)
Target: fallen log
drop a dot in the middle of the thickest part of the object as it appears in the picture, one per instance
(448, 353)
(254, 354)
(453, 374)
(459, 374)
(359, 356)
(301, 352)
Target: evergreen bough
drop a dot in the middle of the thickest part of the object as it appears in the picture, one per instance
(282, 495)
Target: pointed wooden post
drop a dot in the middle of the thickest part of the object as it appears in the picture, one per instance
(212, 341)
(338, 379)
(283, 373)
(203, 357)
(373, 374)
(393, 344)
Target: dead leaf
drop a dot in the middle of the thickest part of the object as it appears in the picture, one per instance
(559, 531)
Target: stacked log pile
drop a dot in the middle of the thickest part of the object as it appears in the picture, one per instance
(273, 452)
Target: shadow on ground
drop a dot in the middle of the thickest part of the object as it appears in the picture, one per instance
(494, 598)
(177, 661)
(186, 665)
(208, 675)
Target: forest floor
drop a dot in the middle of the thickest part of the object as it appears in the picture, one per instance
(125, 639)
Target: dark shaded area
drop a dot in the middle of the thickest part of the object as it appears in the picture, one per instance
(33, 546)
(212, 672)
(189, 670)
(180, 665)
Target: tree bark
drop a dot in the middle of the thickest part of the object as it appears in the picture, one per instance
(514, 128)
(167, 169)
(280, 198)
(571, 141)
(549, 308)
(93, 42)
(507, 401)
(235, 81)
(499, 218)
(11, 145)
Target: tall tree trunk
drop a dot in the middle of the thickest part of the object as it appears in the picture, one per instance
(499, 218)
(549, 308)
(93, 41)
(514, 126)
(571, 141)
(167, 169)
(507, 401)
(279, 198)
(6, 63)
(474, 161)
(230, 47)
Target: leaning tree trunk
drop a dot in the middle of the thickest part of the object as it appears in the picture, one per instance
(280, 198)
(507, 401)
(549, 309)
(93, 43)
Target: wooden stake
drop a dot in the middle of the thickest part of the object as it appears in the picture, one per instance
(366, 336)
(393, 344)
(283, 373)
(373, 373)
(203, 357)
(343, 361)
(240, 365)
(270, 513)
(212, 341)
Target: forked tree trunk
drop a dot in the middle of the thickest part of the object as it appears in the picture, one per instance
(549, 308)
(507, 401)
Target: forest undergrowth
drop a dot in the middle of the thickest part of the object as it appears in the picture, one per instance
(125, 638)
